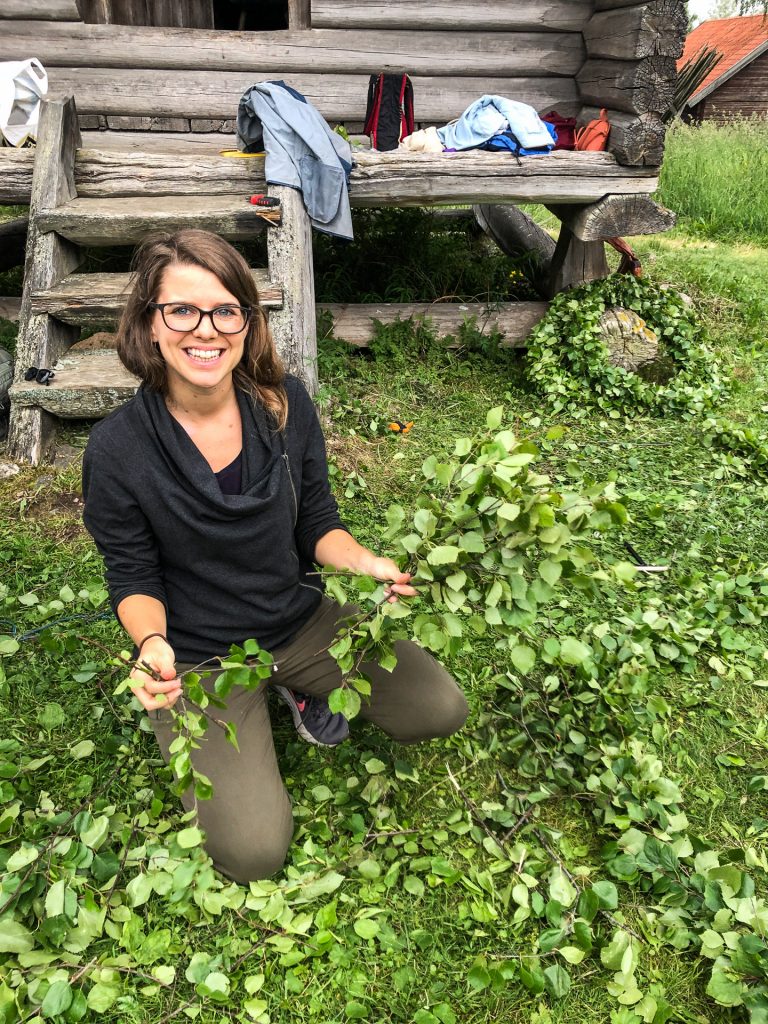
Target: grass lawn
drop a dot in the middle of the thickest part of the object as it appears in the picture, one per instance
(450, 882)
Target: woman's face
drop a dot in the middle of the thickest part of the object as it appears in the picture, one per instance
(201, 358)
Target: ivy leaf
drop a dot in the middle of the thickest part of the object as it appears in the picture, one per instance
(189, 837)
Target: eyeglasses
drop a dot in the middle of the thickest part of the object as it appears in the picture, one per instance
(182, 317)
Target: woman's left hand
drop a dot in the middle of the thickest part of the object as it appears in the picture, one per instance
(397, 580)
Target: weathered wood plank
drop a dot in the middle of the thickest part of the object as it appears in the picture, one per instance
(455, 15)
(126, 221)
(152, 93)
(298, 14)
(49, 258)
(319, 50)
(576, 262)
(87, 385)
(633, 86)
(376, 179)
(630, 33)
(289, 251)
(515, 320)
(16, 175)
(618, 216)
(636, 140)
(90, 300)
(43, 10)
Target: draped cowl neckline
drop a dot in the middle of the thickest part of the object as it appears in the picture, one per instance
(263, 466)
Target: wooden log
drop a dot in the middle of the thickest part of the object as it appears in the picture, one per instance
(575, 262)
(515, 320)
(40, 10)
(455, 15)
(378, 179)
(633, 86)
(216, 94)
(125, 222)
(517, 234)
(631, 33)
(91, 300)
(617, 216)
(16, 175)
(13, 242)
(289, 251)
(636, 140)
(49, 258)
(330, 51)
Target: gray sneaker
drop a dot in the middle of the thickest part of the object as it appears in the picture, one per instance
(313, 718)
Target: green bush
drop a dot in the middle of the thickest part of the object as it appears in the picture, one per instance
(715, 176)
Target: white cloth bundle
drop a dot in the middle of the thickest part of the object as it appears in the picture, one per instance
(23, 83)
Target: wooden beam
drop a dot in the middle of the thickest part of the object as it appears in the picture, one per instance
(576, 262)
(93, 300)
(327, 51)
(617, 216)
(289, 250)
(515, 320)
(16, 175)
(126, 222)
(632, 86)
(517, 234)
(41, 10)
(49, 258)
(455, 15)
(636, 140)
(631, 33)
(152, 93)
(298, 14)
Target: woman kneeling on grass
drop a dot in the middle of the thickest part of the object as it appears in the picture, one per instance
(208, 497)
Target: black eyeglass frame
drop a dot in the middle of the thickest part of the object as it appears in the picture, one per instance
(247, 311)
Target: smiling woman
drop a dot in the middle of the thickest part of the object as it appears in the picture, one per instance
(208, 497)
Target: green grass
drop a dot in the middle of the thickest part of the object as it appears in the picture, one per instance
(716, 178)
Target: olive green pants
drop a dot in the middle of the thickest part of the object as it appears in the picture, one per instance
(248, 822)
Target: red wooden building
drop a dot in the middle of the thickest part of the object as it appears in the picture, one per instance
(738, 86)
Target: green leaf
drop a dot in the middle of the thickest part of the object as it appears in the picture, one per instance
(445, 554)
(8, 645)
(573, 651)
(533, 979)
(724, 990)
(355, 1011)
(374, 766)
(215, 986)
(51, 716)
(557, 981)
(102, 996)
(607, 894)
(22, 858)
(478, 977)
(494, 417)
(508, 511)
(560, 888)
(414, 885)
(255, 1008)
(14, 937)
(189, 837)
(550, 571)
(367, 928)
(83, 749)
(345, 701)
(58, 999)
(165, 973)
(316, 887)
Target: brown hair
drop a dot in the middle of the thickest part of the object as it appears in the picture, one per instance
(260, 371)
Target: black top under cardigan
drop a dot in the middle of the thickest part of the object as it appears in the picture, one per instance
(226, 567)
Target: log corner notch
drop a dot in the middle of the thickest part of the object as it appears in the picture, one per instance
(631, 70)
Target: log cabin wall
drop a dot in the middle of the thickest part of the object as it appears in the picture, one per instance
(572, 55)
(744, 94)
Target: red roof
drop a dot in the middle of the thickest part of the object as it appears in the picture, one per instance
(739, 40)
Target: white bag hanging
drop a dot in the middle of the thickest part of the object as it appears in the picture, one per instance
(23, 83)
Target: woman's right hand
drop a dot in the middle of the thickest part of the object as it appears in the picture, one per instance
(156, 693)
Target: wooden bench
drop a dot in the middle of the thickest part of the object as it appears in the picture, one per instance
(140, 148)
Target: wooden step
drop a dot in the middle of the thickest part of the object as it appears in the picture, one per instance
(127, 221)
(91, 300)
(91, 384)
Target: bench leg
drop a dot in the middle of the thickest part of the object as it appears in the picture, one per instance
(289, 249)
(575, 262)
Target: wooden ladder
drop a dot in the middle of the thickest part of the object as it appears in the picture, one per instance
(57, 301)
